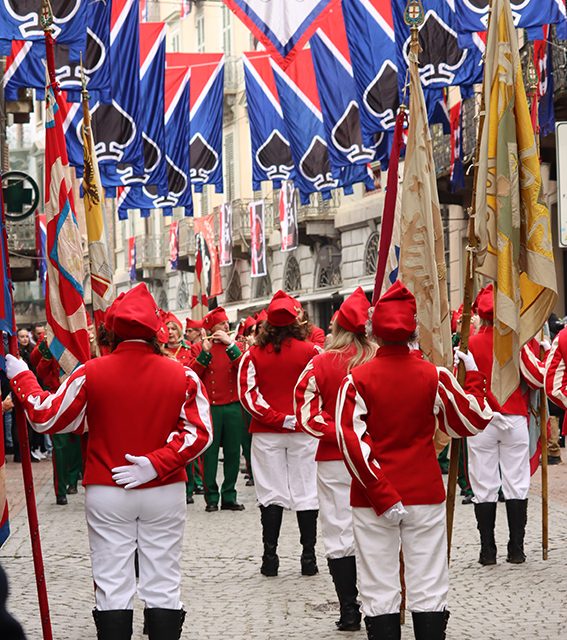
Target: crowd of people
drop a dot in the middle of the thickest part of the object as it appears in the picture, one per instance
(327, 426)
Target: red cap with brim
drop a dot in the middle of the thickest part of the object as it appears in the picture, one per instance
(137, 315)
(283, 311)
(111, 312)
(353, 312)
(193, 324)
(214, 317)
(394, 317)
(484, 303)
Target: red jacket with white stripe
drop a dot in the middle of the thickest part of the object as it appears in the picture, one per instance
(131, 401)
(266, 381)
(387, 411)
(556, 372)
(316, 400)
(532, 371)
(218, 369)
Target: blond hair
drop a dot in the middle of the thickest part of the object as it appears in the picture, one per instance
(343, 340)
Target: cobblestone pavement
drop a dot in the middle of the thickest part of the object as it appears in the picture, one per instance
(226, 596)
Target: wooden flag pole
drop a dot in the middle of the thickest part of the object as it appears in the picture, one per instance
(543, 413)
(465, 325)
(22, 428)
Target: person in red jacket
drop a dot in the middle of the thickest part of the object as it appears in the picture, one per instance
(175, 346)
(146, 409)
(315, 404)
(387, 410)
(216, 362)
(283, 458)
(500, 457)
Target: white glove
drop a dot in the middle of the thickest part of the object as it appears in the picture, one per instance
(290, 422)
(545, 345)
(396, 513)
(133, 475)
(14, 366)
(467, 358)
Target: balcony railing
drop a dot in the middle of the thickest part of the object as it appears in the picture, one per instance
(186, 238)
(150, 251)
(319, 209)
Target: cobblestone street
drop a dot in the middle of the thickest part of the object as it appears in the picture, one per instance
(226, 597)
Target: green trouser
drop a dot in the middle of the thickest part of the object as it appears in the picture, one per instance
(443, 459)
(227, 433)
(67, 462)
(247, 442)
(463, 477)
(193, 477)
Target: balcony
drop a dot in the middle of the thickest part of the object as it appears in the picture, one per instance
(151, 251)
(186, 238)
(22, 249)
(319, 209)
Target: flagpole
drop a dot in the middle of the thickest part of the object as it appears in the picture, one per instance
(465, 323)
(543, 417)
(22, 428)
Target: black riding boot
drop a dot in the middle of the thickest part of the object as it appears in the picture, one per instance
(430, 625)
(343, 572)
(164, 624)
(485, 513)
(386, 627)
(113, 625)
(307, 521)
(517, 512)
(271, 517)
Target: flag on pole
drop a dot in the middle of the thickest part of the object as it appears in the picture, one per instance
(132, 258)
(67, 335)
(199, 300)
(422, 251)
(93, 200)
(512, 223)
(457, 175)
(288, 216)
(204, 228)
(173, 244)
(257, 239)
(226, 235)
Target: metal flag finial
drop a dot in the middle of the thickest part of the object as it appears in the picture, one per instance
(531, 74)
(414, 14)
(46, 16)
(84, 92)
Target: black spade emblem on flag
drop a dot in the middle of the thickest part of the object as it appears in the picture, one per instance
(152, 153)
(96, 55)
(381, 97)
(481, 7)
(315, 165)
(114, 129)
(347, 136)
(27, 13)
(176, 184)
(441, 55)
(274, 156)
(204, 159)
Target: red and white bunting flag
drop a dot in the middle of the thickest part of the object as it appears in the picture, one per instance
(67, 334)
(257, 239)
(199, 300)
(288, 216)
(226, 235)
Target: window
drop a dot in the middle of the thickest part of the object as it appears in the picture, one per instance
(226, 30)
(371, 254)
(329, 267)
(200, 27)
(292, 275)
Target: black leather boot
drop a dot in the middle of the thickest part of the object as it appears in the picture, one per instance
(343, 572)
(517, 512)
(113, 625)
(307, 521)
(386, 627)
(271, 517)
(485, 513)
(430, 625)
(164, 624)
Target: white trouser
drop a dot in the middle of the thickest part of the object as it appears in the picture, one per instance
(498, 457)
(335, 514)
(119, 522)
(285, 472)
(424, 543)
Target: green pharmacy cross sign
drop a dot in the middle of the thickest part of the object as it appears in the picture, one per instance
(21, 195)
